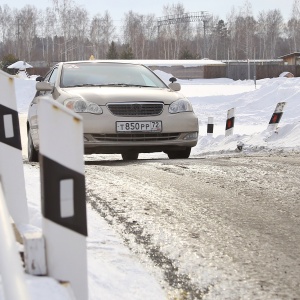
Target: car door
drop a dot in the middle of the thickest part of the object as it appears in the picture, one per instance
(33, 108)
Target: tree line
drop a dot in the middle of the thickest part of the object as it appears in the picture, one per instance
(65, 31)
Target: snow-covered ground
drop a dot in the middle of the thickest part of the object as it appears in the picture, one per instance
(113, 272)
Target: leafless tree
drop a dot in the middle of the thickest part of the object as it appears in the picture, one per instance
(6, 26)
(150, 32)
(64, 31)
(138, 32)
(245, 32)
(63, 10)
(174, 35)
(79, 34)
(293, 26)
(232, 31)
(262, 34)
(102, 33)
(274, 30)
(27, 24)
(47, 34)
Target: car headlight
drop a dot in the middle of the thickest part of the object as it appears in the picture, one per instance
(81, 106)
(179, 106)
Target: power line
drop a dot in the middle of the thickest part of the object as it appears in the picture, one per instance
(183, 18)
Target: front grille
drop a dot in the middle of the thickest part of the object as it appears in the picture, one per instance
(136, 137)
(136, 109)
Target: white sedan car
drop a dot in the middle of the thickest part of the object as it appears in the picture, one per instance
(126, 109)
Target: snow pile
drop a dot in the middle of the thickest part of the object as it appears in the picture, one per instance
(25, 91)
(254, 105)
(253, 110)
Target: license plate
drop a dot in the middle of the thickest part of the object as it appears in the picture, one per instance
(141, 126)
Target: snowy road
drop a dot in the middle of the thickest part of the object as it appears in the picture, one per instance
(207, 227)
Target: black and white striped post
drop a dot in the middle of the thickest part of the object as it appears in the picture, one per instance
(11, 162)
(210, 126)
(229, 122)
(276, 116)
(63, 195)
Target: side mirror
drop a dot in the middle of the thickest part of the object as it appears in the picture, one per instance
(39, 78)
(175, 86)
(43, 86)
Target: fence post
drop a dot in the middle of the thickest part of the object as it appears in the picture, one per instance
(210, 126)
(11, 161)
(229, 122)
(63, 195)
(276, 116)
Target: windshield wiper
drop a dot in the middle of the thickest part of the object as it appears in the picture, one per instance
(109, 84)
(127, 85)
(85, 84)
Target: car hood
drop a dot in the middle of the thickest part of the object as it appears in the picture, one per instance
(104, 95)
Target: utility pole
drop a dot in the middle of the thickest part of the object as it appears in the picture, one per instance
(18, 35)
(204, 18)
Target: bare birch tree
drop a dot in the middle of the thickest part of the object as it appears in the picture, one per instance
(79, 34)
(28, 18)
(275, 27)
(138, 32)
(262, 34)
(294, 27)
(63, 11)
(5, 26)
(174, 35)
(102, 33)
(47, 34)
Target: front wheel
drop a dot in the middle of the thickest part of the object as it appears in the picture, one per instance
(130, 155)
(179, 153)
(33, 155)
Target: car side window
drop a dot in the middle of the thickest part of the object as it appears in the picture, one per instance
(47, 76)
(53, 76)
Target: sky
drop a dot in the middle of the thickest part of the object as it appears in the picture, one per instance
(117, 8)
(108, 257)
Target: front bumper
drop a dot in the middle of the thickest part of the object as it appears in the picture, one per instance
(117, 144)
(179, 131)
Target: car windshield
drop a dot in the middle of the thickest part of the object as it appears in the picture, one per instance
(108, 74)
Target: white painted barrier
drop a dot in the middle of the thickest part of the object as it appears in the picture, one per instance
(229, 122)
(12, 274)
(34, 249)
(276, 116)
(210, 126)
(11, 162)
(63, 195)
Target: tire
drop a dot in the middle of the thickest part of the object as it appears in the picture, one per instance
(33, 155)
(130, 155)
(183, 154)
